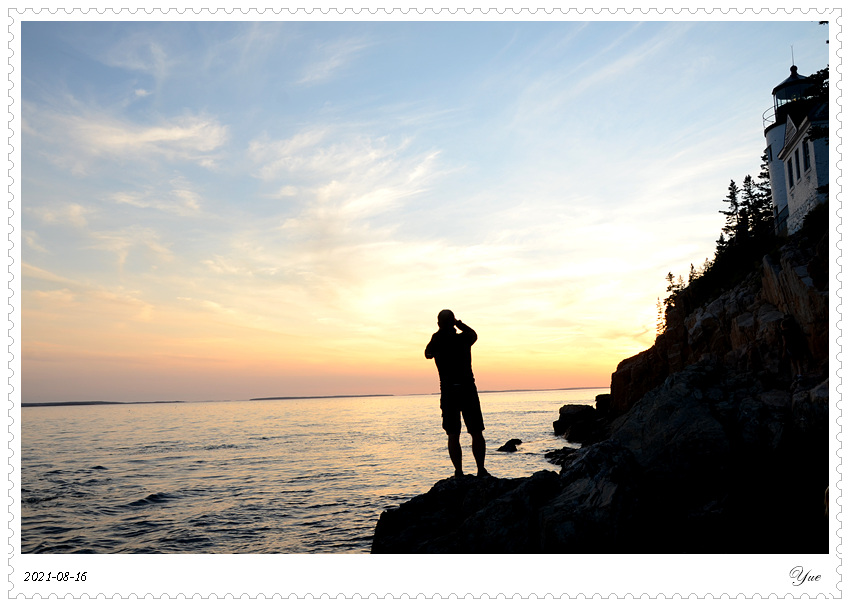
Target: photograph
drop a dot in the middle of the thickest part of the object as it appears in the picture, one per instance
(478, 288)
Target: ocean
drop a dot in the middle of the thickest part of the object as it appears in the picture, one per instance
(262, 477)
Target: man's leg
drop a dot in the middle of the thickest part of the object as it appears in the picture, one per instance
(479, 449)
(455, 453)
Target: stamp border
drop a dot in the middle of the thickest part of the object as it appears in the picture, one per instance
(352, 571)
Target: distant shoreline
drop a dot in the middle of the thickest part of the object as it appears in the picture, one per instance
(166, 402)
(102, 402)
(314, 397)
(545, 389)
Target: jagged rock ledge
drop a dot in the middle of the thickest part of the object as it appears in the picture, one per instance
(700, 465)
(711, 445)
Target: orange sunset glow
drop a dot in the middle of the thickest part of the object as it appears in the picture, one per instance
(282, 208)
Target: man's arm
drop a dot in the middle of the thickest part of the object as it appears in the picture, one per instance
(467, 330)
(429, 352)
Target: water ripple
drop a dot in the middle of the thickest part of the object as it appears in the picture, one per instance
(288, 477)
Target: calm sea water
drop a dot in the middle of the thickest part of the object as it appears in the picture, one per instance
(286, 476)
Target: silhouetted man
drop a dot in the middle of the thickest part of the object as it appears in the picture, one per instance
(452, 351)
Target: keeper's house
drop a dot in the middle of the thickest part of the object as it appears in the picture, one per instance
(797, 162)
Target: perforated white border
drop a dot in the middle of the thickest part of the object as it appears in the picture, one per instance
(551, 577)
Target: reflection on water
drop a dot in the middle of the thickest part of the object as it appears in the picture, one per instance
(286, 476)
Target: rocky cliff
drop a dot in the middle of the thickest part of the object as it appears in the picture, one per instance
(713, 440)
(741, 329)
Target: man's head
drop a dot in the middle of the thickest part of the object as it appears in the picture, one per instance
(446, 319)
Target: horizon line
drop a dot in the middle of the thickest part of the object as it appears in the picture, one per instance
(162, 402)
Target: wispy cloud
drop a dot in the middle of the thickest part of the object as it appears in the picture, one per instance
(68, 214)
(31, 271)
(303, 151)
(123, 242)
(338, 182)
(33, 241)
(79, 142)
(90, 312)
(239, 50)
(286, 191)
(140, 53)
(331, 58)
(179, 200)
(629, 64)
(325, 153)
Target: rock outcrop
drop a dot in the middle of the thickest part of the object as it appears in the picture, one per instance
(583, 424)
(469, 514)
(741, 328)
(510, 446)
(711, 444)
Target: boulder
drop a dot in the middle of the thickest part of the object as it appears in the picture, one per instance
(582, 424)
(562, 457)
(510, 446)
(592, 511)
(603, 404)
(571, 414)
(469, 514)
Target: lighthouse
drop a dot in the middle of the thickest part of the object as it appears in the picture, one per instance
(798, 164)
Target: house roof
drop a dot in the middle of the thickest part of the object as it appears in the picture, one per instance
(793, 132)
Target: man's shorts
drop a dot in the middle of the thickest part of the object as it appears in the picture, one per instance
(461, 399)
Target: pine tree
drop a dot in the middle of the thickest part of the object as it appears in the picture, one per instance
(661, 317)
(762, 216)
(674, 286)
(819, 93)
(819, 90)
(733, 217)
(749, 206)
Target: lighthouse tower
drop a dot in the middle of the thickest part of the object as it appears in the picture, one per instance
(797, 164)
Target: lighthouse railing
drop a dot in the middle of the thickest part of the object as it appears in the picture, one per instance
(769, 117)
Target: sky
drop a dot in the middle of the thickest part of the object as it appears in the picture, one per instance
(233, 210)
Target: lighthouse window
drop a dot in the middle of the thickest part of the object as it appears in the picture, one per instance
(790, 173)
(807, 159)
(797, 162)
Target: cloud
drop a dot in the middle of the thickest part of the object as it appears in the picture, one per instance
(119, 300)
(139, 52)
(53, 299)
(122, 242)
(343, 186)
(33, 241)
(70, 214)
(30, 271)
(300, 152)
(180, 200)
(182, 137)
(322, 155)
(332, 58)
(562, 87)
(86, 306)
(243, 50)
(80, 142)
(63, 304)
(286, 191)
